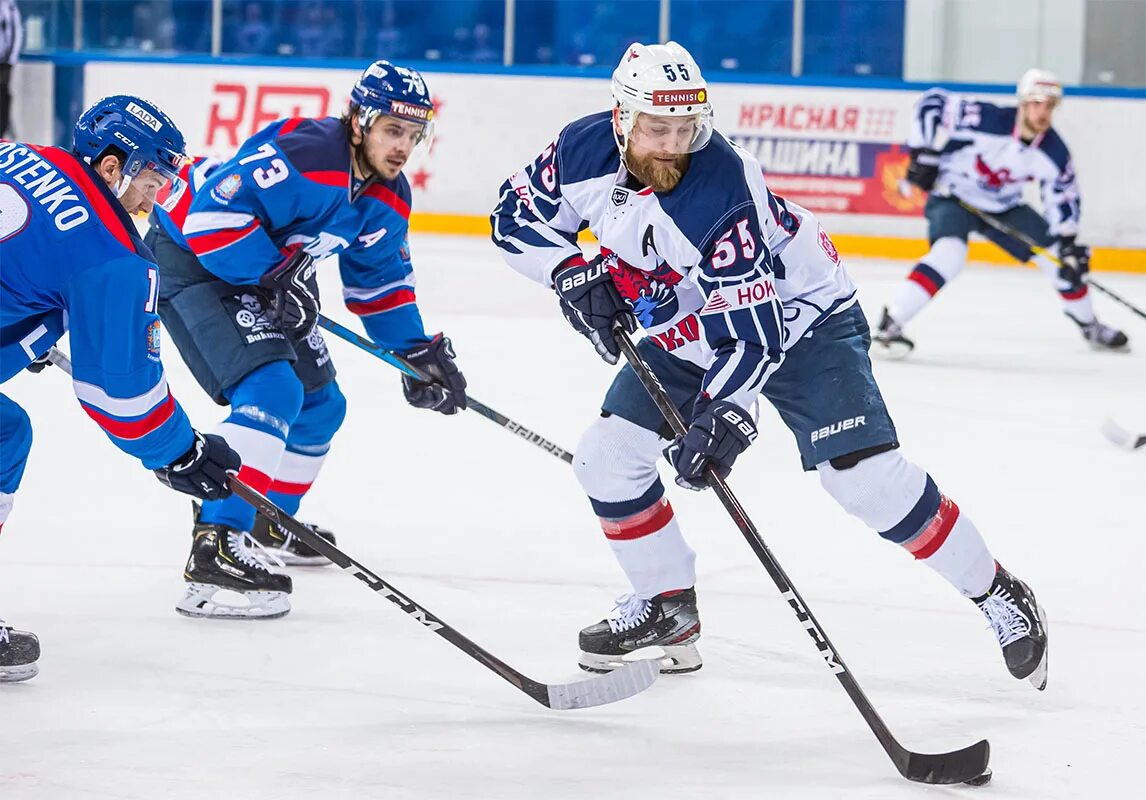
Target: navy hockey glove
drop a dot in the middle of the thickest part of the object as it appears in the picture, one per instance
(923, 170)
(1075, 260)
(39, 364)
(202, 471)
(293, 288)
(717, 435)
(447, 394)
(591, 302)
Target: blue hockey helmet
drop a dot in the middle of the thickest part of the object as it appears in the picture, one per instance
(386, 89)
(137, 128)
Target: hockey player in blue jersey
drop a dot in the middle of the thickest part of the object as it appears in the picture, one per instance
(237, 244)
(70, 260)
(741, 294)
(983, 155)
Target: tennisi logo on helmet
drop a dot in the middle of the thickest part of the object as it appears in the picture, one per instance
(411, 111)
(684, 98)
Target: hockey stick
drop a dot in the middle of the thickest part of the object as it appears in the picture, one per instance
(1019, 236)
(1122, 437)
(968, 765)
(631, 679)
(395, 360)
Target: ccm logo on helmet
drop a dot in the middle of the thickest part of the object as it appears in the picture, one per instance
(679, 98)
(145, 116)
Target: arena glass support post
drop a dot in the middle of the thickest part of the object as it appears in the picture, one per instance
(510, 29)
(216, 27)
(797, 38)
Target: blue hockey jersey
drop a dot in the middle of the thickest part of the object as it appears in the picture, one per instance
(986, 164)
(71, 260)
(721, 272)
(290, 185)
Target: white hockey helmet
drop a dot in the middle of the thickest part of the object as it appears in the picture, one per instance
(1039, 84)
(660, 79)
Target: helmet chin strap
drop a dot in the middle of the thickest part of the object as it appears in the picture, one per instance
(120, 188)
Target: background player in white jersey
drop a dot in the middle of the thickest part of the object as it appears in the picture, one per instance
(983, 154)
(742, 294)
(71, 260)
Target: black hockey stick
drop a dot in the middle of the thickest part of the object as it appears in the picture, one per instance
(968, 765)
(1019, 236)
(395, 360)
(1122, 437)
(631, 679)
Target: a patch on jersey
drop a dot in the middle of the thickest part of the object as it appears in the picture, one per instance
(227, 188)
(404, 250)
(153, 341)
(733, 297)
(649, 293)
(620, 196)
(828, 246)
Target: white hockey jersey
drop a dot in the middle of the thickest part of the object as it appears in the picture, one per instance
(985, 163)
(719, 271)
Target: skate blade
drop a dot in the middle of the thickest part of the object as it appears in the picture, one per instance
(675, 660)
(891, 351)
(200, 601)
(21, 672)
(1038, 678)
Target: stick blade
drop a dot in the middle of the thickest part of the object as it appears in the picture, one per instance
(1122, 437)
(959, 766)
(600, 690)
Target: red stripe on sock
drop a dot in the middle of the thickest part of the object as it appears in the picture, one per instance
(935, 534)
(651, 520)
(1074, 294)
(927, 284)
(259, 481)
(285, 487)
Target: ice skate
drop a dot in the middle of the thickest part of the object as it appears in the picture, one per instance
(230, 561)
(286, 547)
(19, 652)
(1103, 337)
(1020, 625)
(889, 339)
(669, 623)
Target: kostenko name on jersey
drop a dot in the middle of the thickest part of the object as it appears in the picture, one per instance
(54, 191)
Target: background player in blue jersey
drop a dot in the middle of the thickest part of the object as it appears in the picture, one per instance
(70, 260)
(983, 154)
(742, 294)
(237, 243)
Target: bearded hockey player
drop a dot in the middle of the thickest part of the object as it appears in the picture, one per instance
(983, 155)
(742, 294)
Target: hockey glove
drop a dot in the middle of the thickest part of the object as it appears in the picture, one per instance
(1075, 260)
(40, 364)
(447, 394)
(293, 289)
(591, 302)
(718, 434)
(204, 469)
(923, 170)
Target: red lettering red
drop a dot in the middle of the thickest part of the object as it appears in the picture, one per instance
(217, 122)
(305, 101)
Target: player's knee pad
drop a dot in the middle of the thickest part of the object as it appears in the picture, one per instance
(881, 490)
(322, 414)
(15, 443)
(616, 459)
(269, 398)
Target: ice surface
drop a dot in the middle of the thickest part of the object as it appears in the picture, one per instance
(1002, 402)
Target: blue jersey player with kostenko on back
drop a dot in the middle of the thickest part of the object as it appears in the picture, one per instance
(742, 294)
(968, 151)
(238, 243)
(71, 261)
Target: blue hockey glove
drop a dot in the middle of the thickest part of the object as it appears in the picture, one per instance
(204, 469)
(923, 170)
(293, 289)
(447, 394)
(719, 433)
(591, 302)
(1075, 260)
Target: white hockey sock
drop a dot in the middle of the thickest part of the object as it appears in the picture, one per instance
(951, 545)
(1075, 299)
(944, 261)
(651, 550)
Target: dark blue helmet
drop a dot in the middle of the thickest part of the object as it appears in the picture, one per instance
(386, 89)
(134, 126)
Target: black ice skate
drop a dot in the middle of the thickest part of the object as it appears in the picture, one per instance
(19, 652)
(1020, 624)
(889, 339)
(1103, 337)
(669, 622)
(283, 544)
(224, 559)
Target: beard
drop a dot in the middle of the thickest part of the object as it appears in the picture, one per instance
(658, 175)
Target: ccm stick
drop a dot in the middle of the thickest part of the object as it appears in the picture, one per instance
(968, 765)
(600, 690)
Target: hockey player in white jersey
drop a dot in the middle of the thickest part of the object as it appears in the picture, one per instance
(983, 155)
(741, 294)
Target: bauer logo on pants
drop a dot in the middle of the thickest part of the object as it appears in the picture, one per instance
(836, 427)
